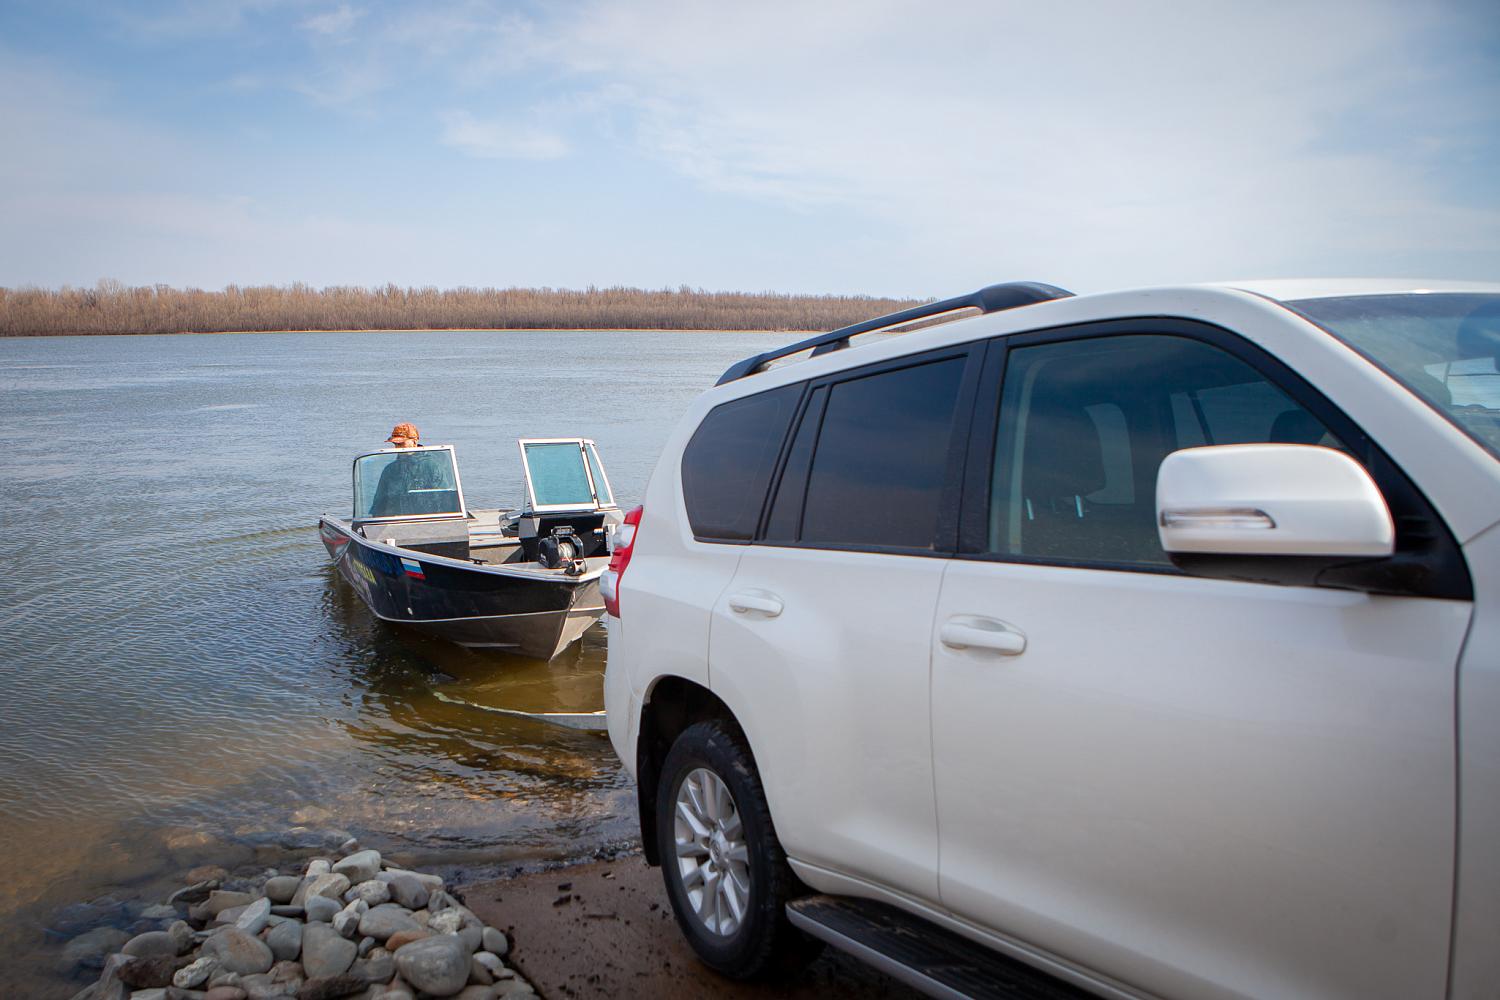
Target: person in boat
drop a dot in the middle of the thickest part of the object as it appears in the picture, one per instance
(407, 485)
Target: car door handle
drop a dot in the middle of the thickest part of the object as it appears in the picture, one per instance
(976, 632)
(758, 601)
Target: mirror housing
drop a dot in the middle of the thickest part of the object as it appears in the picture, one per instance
(1274, 513)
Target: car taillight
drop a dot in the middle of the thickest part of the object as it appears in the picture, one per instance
(624, 545)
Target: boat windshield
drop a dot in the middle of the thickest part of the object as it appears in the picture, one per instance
(564, 474)
(1440, 345)
(407, 483)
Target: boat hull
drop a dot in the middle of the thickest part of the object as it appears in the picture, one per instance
(527, 613)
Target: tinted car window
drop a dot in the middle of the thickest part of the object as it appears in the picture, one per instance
(727, 465)
(877, 472)
(1085, 424)
(785, 521)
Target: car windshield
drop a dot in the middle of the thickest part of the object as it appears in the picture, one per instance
(406, 484)
(1441, 346)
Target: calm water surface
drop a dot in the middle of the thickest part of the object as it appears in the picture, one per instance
(186, 678)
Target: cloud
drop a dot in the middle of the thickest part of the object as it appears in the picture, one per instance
(500, 140)
(336, 23)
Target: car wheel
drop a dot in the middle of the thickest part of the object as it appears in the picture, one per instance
(726, 874)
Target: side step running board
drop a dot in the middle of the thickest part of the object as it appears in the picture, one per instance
(922, 955)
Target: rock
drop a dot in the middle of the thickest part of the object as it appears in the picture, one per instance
(332, 885)
(366, 945)
(281, 888)
(226, 918)
(150, 943)
(182, 935)
(224, 978)
(155, 993)
(255, 917)
(223, 899)
(206, 873)
(331, 987)
(285, 941)
(87, 950)
(514, 987)
(349, 846)
(325, 953)
(188, 840)
(359, 867)
(398, 989)
(320, 909)
(400, 938)
(200, 971)
(472, 937)
(384, 920)
(492, 964)
(197, 892)
(198, 913)
(477, 992)
(239, 952)
(421, 917)
(446, 922)
(318, 866)
(346, 922)
(430, 882)
(225, 993)
(378, 968)
(260, 987)
(287, 974)
(437, 965)
(290, 912)
(109, 986)
(153, 972)
(479, 973)
(373, 892)
(161, 911)
(439, 900)
(495, 942)
(407, 891)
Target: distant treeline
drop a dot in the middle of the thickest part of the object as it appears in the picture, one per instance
(111, 307)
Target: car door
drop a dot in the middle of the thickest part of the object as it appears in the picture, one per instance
(1198, 787)
(820, 643)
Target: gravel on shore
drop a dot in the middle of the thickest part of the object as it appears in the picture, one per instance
(352, 925)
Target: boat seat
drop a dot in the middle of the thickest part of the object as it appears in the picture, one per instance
(438, 537)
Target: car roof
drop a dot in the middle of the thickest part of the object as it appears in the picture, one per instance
(1291, 289)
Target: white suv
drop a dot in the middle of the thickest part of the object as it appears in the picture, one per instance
(1149, 638)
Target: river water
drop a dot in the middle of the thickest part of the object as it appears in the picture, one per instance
(185, 678)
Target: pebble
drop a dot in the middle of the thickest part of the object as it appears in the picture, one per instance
(161, 911)
(255, 917)
(285, 941)
(359, 867)
(325, 953)
(206, 873)
(225, 993)
(223, 899)
(87, 950)
(472, 936)
(479, 973)
(400, 938)
(149, 944)
(514, 987)
(495, 942)
(373, 892)
(384, 920)
(375, 969)
(346, 922)
(239, 952)
(435, 965)
(320, 909)
(406, 891)
(446, 922)
(491, 963)
(331, 987)
(280, 889)
(154, 972)
(199, 972)
(333, 885)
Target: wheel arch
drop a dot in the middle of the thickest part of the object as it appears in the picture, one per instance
(671, 704)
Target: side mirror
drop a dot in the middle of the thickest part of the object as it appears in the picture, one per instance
(1270, 500)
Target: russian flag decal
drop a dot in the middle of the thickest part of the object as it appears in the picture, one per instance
(413, 568)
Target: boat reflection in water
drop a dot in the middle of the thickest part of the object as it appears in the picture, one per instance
(523, 582)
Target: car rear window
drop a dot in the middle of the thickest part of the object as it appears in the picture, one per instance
(727, 465)
(882, 452)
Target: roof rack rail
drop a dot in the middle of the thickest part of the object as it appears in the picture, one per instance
(992, 298)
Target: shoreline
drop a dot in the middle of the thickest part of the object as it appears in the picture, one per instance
(443, 329)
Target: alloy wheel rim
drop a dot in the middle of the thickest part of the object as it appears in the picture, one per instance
(713, 860)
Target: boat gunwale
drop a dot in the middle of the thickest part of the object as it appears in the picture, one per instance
(501, 569)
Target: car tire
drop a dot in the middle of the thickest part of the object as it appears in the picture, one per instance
(726, 874)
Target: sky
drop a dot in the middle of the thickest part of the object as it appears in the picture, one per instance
(878, 147)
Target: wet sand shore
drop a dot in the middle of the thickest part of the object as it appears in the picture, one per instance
(605, 929)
